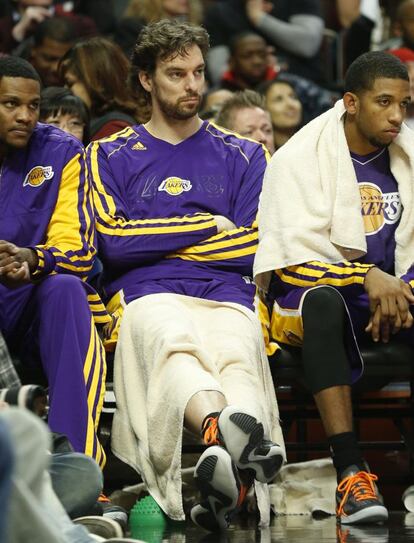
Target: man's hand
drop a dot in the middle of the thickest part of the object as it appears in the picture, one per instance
(389, 302)
(32, 15)
(255, 9)
(16, 264)
(223, 224)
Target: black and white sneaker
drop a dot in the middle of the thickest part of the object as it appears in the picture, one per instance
(243, 437)
(222, 492)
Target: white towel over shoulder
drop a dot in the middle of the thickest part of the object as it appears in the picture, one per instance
(310, 206)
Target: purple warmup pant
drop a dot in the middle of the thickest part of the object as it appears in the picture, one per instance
(52, 321)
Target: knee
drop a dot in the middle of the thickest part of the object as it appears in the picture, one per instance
(323, 307)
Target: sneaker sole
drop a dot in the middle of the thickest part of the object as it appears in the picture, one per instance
(242, 432)
(104, 527)
(216, 478)
(368, 515)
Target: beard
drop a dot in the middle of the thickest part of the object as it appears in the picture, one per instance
(179, 110)
(378, 143)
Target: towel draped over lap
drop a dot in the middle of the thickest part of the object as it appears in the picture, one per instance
(310, 205)
(170, 347)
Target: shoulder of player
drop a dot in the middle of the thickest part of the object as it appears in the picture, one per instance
(115, 142)
(54, 142)
(234, 143)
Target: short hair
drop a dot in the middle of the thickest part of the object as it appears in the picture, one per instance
(365, 69)
(241, 100)
(235, 40)
(55, 100)
(17, 67)
(60, 29)
(160, 41)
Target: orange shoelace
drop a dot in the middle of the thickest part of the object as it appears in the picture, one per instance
(103, 499)
(210, 431)
(242, 495)
(361, 485)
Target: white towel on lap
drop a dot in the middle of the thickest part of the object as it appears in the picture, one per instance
(170, 347)
(310, 206)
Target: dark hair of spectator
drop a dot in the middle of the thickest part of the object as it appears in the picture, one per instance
(60, 29)
(363, 72)
(264, 87)
(152, 10)
(160, 41)
(241, 100)
(17, 67)
(61, 101)
(103, 68)
(235, 40)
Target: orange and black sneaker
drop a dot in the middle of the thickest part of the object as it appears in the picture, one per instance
(357, 498)
(221, 488)
(242, 435)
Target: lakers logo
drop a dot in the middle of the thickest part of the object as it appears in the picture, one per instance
(378, 208)
(175, 185)
(38, 175)
(139, 147)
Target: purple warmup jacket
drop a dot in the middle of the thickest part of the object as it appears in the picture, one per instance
(155, 204)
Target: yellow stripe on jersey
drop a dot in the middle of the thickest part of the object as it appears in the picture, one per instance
(199, 257)
(65, 228)
(214, 243)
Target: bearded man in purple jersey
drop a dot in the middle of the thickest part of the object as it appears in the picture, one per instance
(46, 250)
(336, 251)
(176, 201)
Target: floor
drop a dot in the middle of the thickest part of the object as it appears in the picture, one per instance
(292, 529)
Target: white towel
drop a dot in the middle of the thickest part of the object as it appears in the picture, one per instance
(170, 347)
(305, 488)
(310, 206)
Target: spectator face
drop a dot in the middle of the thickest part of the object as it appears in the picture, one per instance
(19, 111)
(174, 8)
(249, 60)
(405, 26)
(284, 107)
(176, 87)
(377, 114)
(77, 88)
(254, 123)
(72, 124)
(45, 58)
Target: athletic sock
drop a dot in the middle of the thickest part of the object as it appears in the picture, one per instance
(345, 452)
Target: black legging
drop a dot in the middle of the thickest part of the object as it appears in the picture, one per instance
(324, 358)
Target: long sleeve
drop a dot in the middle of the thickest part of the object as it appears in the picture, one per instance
(125, 242)
(302, 35)
(311, 274)
(234, 249)
(69, 244)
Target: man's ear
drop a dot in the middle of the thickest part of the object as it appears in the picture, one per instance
(145, 80)
(350, 102)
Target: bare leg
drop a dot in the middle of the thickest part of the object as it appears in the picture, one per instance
(199, 406)
(335, 408)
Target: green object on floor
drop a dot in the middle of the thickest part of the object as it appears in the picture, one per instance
(146, 512)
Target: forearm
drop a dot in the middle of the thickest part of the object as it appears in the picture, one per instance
(342, 275)
(302, 35)
(231, 250)
(217, 59)
(135, 246)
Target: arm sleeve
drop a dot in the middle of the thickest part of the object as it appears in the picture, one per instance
(69, 245)
(301, 36)
(343, 275)
(217, 60)
(408, 277)
(234, 249)
(123, 241)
